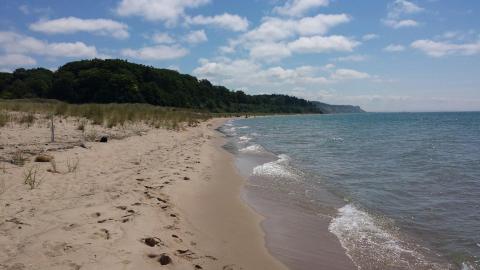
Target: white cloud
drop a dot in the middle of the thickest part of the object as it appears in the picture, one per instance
(12, 42)
(349, 74)
(352, 58)
(72, 25)
(162, 38)
(250, 75)
(394, 48)
(368, 37)
(168, 11)
(439, 49)
(195, 37)
(28, 10)
(320, 44)
(226, 21)
(246, 74)
(396, 24)
(397, 10)
(16, 60)
(299, 7)
(402, 7)
(160, 52)
(277, 38)
(280, 29)
(270, 51)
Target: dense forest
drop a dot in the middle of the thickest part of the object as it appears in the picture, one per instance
(118, 81)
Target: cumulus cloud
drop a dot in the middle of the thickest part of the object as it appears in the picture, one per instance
(251, 75)
(278, 29)
(159, 52)
(72, 25)
(162, 38)
(247, 74)
(226, 21)
(16, 60)
(320, 44)
(299, 7)
(398, 10)
(440, 49)
(394, 48)
(402, 7)
(168, 11)
(349, 74)
(270, 51)
(14, 43)
(352, 58)
(368, 37)
(287, 36)
(195, 37)
(396, 24)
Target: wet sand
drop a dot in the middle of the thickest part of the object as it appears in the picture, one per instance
(299, 239)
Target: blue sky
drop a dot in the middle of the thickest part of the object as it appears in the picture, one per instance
(392, 55)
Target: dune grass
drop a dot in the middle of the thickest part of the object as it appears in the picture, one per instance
(108, 115)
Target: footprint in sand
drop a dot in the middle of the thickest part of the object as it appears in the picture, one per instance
(103, 233)
(56, 249)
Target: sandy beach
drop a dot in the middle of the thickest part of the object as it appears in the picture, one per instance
(146, 199)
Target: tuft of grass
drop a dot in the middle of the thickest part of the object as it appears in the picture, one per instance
(82, 125)
(28, 119)
(32, 177)
(53, 164)
(3, 187)
(72, 165)
(18, 158)
(4, 118)
(90, 136)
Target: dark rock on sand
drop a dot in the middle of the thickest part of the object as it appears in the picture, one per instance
(151, 242)
(43, 158)
(104, 139)
(164, 259)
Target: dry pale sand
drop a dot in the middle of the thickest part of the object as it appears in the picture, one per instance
(126, 203)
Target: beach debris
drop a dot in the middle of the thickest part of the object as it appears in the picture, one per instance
(198, 266)
(150, 241)
(43, 158)
(186, 178)
(164, 259)
(103, 139)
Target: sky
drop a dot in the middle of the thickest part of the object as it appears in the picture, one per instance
(383, 55)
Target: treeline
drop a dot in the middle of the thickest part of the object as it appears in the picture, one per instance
(118, 81)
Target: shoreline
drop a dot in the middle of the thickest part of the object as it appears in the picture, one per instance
(156, 198)
(296, 234)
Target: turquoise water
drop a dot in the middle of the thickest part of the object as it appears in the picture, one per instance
(410, 181)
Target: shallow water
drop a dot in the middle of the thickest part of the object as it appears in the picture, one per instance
(410, 182)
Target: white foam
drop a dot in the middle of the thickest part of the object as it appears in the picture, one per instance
(275, 169)
(467, 266)
(253, 149)
(244, 139)
(243, 127)
(366, 241)
(230, 131)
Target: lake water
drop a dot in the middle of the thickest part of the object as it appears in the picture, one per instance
(405, 186)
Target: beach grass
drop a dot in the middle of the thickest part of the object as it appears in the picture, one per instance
(108, 115)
